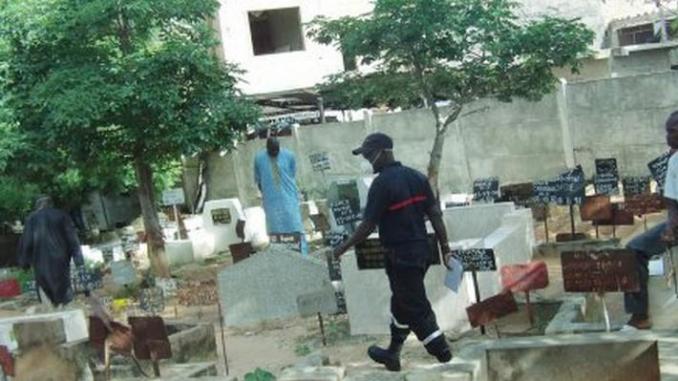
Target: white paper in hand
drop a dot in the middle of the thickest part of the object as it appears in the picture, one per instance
(455, 274)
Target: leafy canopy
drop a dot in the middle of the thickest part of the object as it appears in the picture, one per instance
(456, 50)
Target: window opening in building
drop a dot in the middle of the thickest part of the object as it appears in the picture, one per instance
(276, 31)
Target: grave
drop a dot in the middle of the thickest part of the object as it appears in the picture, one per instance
(368, 296)
(475, 221)
(179, 252)
(219, 220)
(74, 325)
(266, 286)
(573, 358)
(255, 227)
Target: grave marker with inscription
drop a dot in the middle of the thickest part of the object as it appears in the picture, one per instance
(476, 260)
(573, 184)
(370, 254)
(320, 162)
(606, 180)
(635, 185)
(600, 271)
(519, 194)
(221, 216)
(642, 204)
(290, 240)
(344, 213)
(486, 189)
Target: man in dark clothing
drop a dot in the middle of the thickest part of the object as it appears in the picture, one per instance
(398, 201)
(48, 244)
(656, 240)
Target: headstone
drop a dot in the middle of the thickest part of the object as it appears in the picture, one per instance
(635, 185)
(255, 227)
(318, 302)
(338, 194)
(266, 286)
(600, 271)
(168, 286)
(486, 189)
(548, 192)
(491, 309)
(179, 252)
(344, 213)
(573, 185)
(219, 220)
(320, 162)
(642, 204)
(607, 176)
(620, 216)
(478, 260)
(335, 238)
(123, 273)
(241, 251)
(84, 279)
(371, 254)
(173, 197)
(658, 168)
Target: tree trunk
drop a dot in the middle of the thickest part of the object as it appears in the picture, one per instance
(435, 160)
(154, 237)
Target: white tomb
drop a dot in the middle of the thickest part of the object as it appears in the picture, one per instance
(219, 220)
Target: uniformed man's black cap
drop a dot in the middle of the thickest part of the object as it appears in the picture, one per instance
(374, 142)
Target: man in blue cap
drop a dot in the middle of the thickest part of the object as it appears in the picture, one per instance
(399, 200)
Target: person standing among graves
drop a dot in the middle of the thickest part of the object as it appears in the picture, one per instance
(654, 241)
(275, 172)
(398, 201)
(48, 244)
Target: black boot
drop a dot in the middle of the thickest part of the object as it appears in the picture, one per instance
(438, 347)
(390, 357)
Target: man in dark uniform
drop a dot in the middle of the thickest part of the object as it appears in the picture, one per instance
(398, 201)
(48, 244)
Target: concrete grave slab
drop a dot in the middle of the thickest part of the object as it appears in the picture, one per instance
(323, 302)
(474, 221)
(325, 373)
(266, 286)
(368, 296)
(38, 332)
(219, 219)
(574, 359)
(179, 252)
(74, 323)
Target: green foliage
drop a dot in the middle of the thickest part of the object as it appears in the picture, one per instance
(97, 88)
(16, 198)
(259, 375)
(456, 50)
(423, 51)
(302, 350)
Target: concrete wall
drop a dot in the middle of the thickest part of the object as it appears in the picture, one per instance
(304, 69)
(518, 141)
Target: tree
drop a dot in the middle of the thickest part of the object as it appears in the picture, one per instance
(132, 84)
(425, 51)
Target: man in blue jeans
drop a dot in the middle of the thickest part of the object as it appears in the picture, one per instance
(656, 240)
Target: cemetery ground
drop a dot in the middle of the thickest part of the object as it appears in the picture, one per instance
(280, 345)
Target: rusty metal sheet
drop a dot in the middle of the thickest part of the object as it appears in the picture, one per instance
(520, 194)
(7, 361)
(525, 277)
(642, 204)
(619, 217)
(241, 251)
(491, 309)
(151, 341)
(568, 237)
(596, 208)
(611, 270)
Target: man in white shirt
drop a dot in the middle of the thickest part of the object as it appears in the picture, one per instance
(656, 240)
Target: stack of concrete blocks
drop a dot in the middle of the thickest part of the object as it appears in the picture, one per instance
(267, 285)
(497, 226)
(222, 234)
